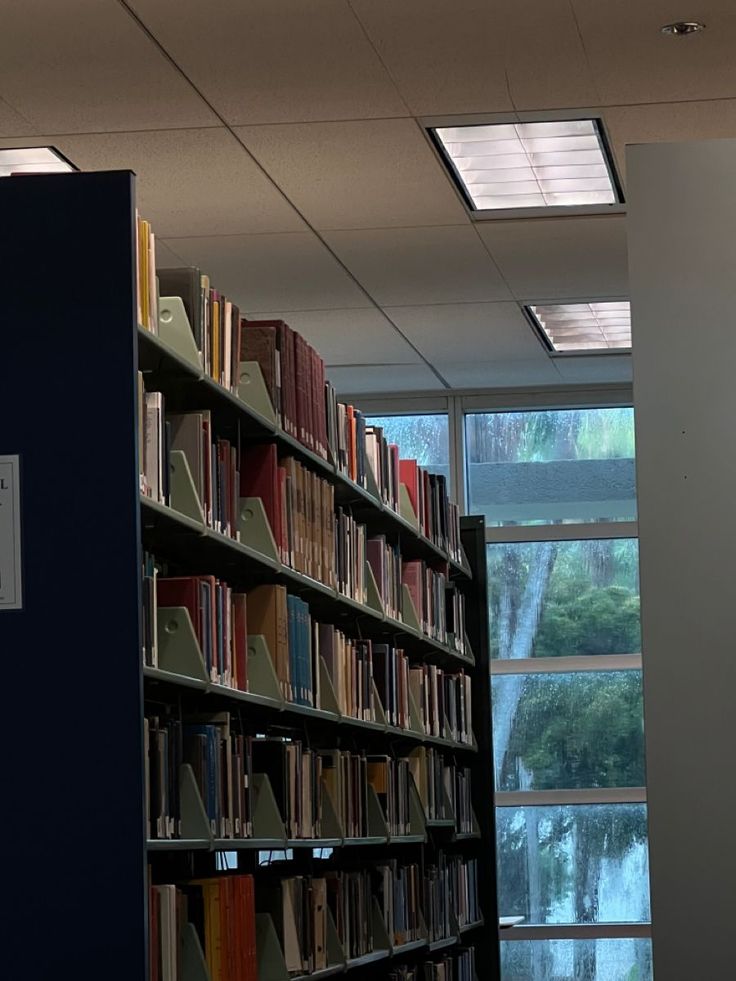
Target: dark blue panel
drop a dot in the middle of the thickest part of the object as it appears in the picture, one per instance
(73, 835)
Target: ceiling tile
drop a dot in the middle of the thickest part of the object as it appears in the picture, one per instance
(86, 66)
(380, 379)
(545, 60)
(365, 174)
(570, 258)
(12, 123)
(466, 331)
(349, 337)
(445, 57)
(631, 60)
(272, 272)
(166, 258)
(275, 60)
(668, 123)
(190, 182)
(499, 374)
(408, 266)
(603, 368)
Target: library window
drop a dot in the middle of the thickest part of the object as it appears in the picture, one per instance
(552, 466)
(615, 960)
(568, 729)
(423, 437)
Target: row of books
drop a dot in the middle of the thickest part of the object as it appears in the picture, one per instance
(363, 673)
(456, 966)
(444, 700)
(402, 892)
(215, 322)
(444, 788)
(438, 516)
(450, 893)
(221, 910)
(223, 761)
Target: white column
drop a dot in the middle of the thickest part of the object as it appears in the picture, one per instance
(682, 264)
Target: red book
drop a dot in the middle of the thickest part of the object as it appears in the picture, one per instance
(240, 640)
(412, 576)
(376, 554)
(409, 474)
(301, 386)
(250, 929)
(322, 408)
(181, 591)
(259, 478)
(259, 341)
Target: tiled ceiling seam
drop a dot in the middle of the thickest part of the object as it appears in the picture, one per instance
(146, 30)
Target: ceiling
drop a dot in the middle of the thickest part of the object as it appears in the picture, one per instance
(280, 145)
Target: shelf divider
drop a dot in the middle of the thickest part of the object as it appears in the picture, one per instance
(267, 820)
(271, 963)
(253, 391)
(178, 647)
(193, 962)
(175, 331)
(182, 492)
(194, 821)
(262, 678)
(255, 531)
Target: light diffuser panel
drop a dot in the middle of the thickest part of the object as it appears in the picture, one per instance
(530, 165)
(585, 326)
(33, 160)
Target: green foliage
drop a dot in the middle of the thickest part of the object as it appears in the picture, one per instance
(592, 621)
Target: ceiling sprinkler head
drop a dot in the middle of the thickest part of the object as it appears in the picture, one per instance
(683, 28)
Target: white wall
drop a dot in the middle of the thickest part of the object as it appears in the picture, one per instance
(682, 259)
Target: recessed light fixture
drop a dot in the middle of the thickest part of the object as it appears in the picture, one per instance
(529, 165)
(683, 28)
(33, 160)
(568, 327)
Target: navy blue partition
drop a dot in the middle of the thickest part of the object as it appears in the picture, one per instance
(73, 825)
(473, 536)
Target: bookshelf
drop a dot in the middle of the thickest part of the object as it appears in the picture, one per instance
(82, 626)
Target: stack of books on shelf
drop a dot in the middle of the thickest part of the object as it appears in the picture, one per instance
(444, 699)
(322, 791)
(221, 911)
(398, 891)
(220, 760)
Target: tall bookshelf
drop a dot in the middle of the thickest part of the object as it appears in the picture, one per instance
(78, 865)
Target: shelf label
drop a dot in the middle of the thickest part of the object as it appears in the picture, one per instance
(10, 567)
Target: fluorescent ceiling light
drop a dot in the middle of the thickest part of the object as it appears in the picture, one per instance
(585, 326)
(33, 160)
(530, 165)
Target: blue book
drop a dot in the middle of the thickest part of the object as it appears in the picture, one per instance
(291, 602)
(307, 656)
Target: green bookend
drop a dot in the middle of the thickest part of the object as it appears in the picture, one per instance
(376, 818)
(174, 329)
(415, 715)
(335, 952)
(327, 695)
(378, 707)
(255, 531)
(406, 508)
(178, 647)
(267, 821)
(409, 611)
(183, 493)
(195, 825)
(271, 963)
(417, 817)
(331, 827)
(193, 963)
(262, 680)
(381, 939)
(373, 596)
(252, 390)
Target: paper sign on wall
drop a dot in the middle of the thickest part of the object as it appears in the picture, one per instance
(10, 567)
